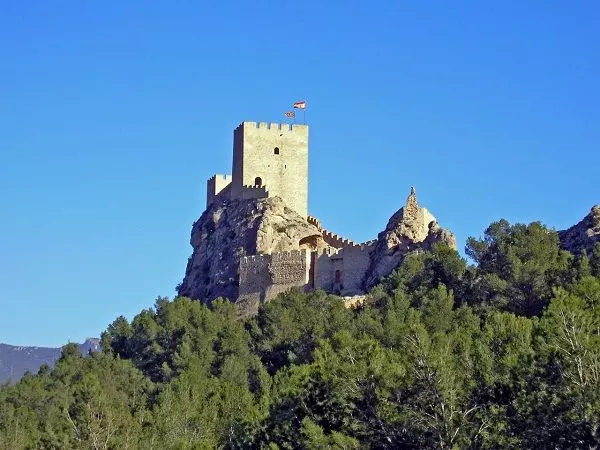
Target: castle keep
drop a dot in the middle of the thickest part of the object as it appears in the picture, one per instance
(268, 160)
(256, 239)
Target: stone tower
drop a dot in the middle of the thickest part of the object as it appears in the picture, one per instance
(273, 156)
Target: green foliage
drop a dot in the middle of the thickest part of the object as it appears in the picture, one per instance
(518, 265)
(502, 354)
(595, 260)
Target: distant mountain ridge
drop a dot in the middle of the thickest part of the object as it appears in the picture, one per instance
(16, 360)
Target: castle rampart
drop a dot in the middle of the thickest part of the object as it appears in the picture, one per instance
(273, 126)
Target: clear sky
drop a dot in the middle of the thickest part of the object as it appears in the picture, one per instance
(113, 116)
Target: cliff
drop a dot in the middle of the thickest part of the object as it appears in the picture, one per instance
(584, 235)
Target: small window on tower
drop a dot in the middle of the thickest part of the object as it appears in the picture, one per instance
(276, 150)
(258, 181)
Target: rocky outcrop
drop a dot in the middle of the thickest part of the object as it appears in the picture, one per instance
(584, 235)
(411, 228)
(232, 229)
(229, 230)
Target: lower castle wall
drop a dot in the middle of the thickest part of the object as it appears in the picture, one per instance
(263, 277)
(352, 261)
(325, 267)
(356, 263)
(254, 277)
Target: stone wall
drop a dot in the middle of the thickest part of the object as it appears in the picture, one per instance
(277, 154)
(352, 261)
(217, 186)
(263, 277)
(254, 278)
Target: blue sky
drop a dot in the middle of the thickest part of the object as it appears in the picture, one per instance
(113, 116)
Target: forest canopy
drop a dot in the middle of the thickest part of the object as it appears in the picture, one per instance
(503, 352)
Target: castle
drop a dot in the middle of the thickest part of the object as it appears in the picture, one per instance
(247, 251)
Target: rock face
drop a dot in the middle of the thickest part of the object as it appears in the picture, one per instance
(230, 230)
(584, 235)
(411, 228)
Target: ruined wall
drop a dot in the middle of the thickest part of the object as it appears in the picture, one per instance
(288, 270)
(278, 155)
(254, 279)
(326, 264)
(263, 277)
(217, 186)
(357, 261)
(352, 261)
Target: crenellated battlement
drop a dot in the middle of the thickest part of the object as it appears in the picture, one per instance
(314, 221)
(252, 192)
(273, 126)
(335, 240)
(250, 187)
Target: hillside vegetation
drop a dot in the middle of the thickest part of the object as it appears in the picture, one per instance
(504, 353)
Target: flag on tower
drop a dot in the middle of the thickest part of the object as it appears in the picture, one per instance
(300, 105)
(290, 114)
